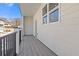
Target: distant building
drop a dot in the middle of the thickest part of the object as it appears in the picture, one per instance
(16, 22)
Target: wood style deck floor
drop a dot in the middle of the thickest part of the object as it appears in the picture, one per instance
(33, 47)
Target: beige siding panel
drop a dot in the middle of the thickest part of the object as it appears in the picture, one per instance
(62, 37)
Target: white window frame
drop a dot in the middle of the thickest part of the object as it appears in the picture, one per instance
(57, 7)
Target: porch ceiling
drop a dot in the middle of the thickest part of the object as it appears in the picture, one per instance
(29, 9)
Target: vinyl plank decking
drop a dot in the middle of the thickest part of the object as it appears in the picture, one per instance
(33, 47)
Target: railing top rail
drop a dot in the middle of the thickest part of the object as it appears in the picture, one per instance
(6, 34)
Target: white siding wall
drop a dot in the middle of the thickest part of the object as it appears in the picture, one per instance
(62, 37)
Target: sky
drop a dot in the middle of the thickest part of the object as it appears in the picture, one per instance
(9, 10)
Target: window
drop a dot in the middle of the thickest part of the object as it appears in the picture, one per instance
(50, 13)
(53, 12)
(44, 14)
(53, 16)
(44, 10)
(45, 19)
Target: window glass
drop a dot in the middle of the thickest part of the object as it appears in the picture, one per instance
(53, 16)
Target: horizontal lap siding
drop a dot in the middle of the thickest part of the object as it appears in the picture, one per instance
(62, 37)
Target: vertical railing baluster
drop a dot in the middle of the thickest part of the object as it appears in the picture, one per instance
(0, 46)
(5, 45)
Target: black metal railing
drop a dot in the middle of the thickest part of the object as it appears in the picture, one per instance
(8, 45)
